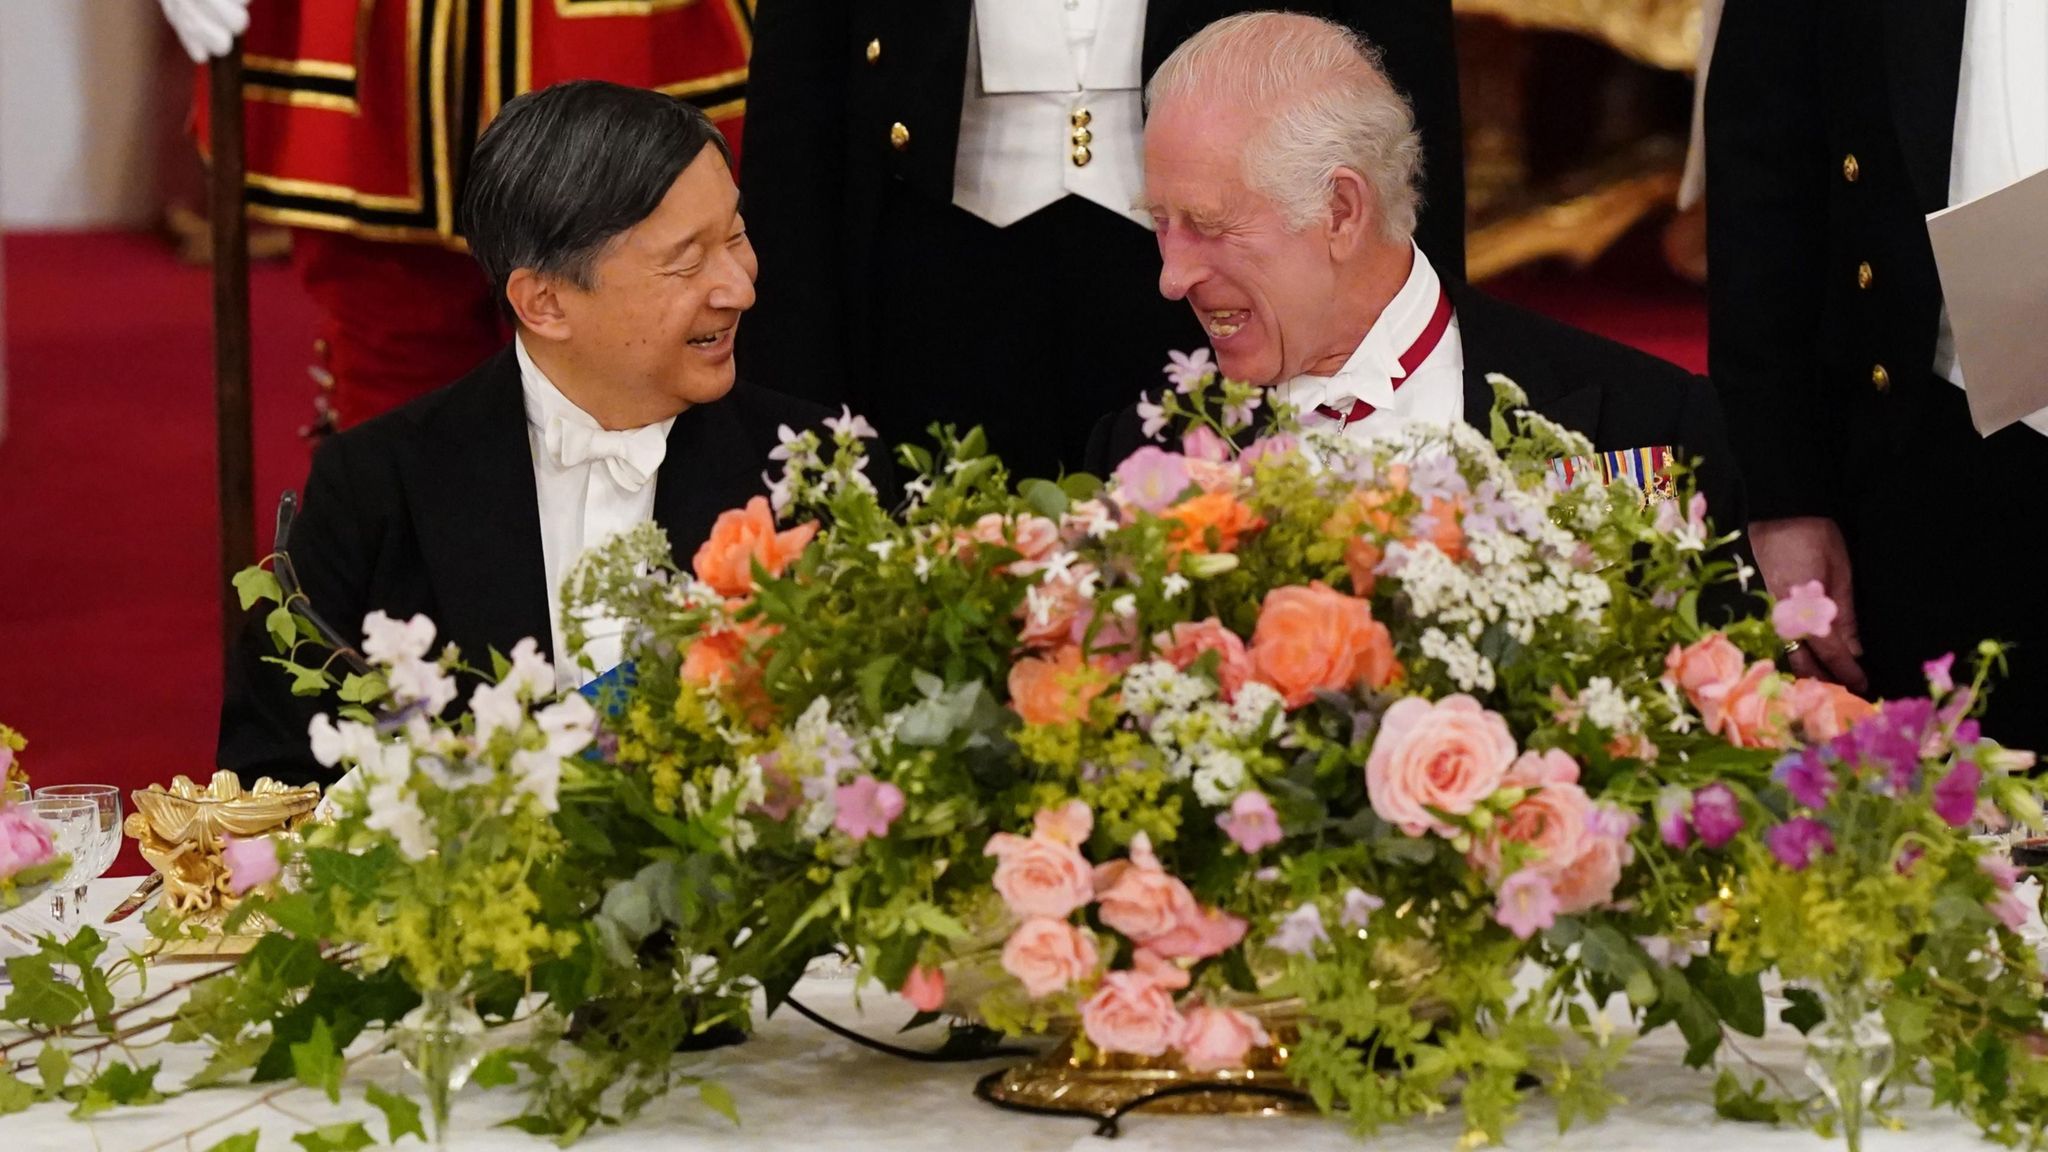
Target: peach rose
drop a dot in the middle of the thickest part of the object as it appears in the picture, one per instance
(1129, 1013)
(1211, 522)
(722, 661)
(1156, 911)
(1825, 710)
(1199, 933)
(1031, 537)
(1551, 819)
(1216, 1038)
(1189, 640)
(741, 536)
(1361, 560)
(1447, 529)
(1750, 713)
(1533, 769)
(1589, 880)
(1213, 475)
(1316, 637)
(1448, 756)
(925, 988)
(1070, 823)
(1040, 876)
(1048, 956)
(1056, 689)
(1159, 970)
(1711, 661)
(1054, 607)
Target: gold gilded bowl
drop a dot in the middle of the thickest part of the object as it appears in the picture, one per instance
(181, 830)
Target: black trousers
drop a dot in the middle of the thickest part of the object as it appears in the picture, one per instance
(1032, 332)
(1947, 532)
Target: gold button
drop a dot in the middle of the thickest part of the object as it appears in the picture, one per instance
(1850, 169)
(874, 51)
(1082, 155)
(899, 136)
(1083, 136)
(1880, 379)
(1080, 118)
(1864, 275)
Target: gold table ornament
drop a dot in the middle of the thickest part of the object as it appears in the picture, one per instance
(181, 831)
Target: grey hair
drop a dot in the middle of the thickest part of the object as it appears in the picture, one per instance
(1331, 107)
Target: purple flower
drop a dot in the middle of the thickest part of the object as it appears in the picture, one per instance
(1806, 612)
(1186, 370)
(1674, 816)
(867, 807)
(1716, 815)
(1527, 903)
(1893, 739)
(1937, 671)
(1798, 842)
(1300, 931)
(1955, 794)
(1359, 905)
(1808, 776)
(1151, 479)
(1908, 857)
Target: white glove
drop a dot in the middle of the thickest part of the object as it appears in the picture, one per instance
(207, 28)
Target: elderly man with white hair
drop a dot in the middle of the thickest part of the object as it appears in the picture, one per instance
(1280, 173)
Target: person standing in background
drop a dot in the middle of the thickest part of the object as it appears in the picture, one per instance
(360, 121)
(943, 195)
(1832, 130)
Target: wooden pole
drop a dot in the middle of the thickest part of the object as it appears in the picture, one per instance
(233, 433)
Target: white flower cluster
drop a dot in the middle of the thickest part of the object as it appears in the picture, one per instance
(1203, 737)
(734, 789)
(517, 733)
(807, 477)
(1610, 707)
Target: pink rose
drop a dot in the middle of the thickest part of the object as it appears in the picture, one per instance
(1047, 956)
(1751, 712)
(1709, 661)
(252, 863)
(1251, 822)
(1186, 643)
(1129, 1013)
(1216, 1038)
(1449, 756)
(24, 841)
(1534, 769)
(1589, 880)
(1031, 537)
(1155, 910)
(1551, 819)
(1202, 443)
(1040, 876)
(1200, 934)
(1053, 606)
(1070, 823)
(925, 988)
(1159, 970)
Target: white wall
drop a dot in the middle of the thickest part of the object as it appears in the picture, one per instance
(77, 78)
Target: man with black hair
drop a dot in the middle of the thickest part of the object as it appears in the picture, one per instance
(608, 222)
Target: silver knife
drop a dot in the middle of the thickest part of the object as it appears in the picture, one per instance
(142, 893)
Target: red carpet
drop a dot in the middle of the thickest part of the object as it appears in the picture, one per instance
(109, 627)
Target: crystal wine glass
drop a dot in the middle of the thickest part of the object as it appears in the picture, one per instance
(73, 825)
(105, 842)
(13, 792)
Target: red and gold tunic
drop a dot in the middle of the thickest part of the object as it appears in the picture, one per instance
(361, 113)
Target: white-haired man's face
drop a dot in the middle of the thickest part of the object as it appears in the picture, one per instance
(1267, 295)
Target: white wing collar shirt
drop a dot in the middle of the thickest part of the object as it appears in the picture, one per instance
(592, 484)
(1428, 389)
(1053, 107)
(2001, 124)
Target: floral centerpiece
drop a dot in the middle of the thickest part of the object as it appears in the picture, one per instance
(29, 861)
(1332, 738)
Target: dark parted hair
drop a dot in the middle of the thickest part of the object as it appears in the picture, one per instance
(562, 171)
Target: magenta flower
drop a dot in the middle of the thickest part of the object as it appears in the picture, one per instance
(1716, 814)
(1806, 612)
(1799, 842)
(1151, 479)
(1251, 822)
(252, 863)
(1186, 370)
(1674, 816)
(1527, 903)
(1808, 776)
(1955, 794)
(867, 807)
(1940, 679)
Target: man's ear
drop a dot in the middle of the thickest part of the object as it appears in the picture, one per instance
(1353, 213)
(536, 301)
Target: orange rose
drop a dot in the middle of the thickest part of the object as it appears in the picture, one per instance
(1186, 643)
(1316, 637)
(741, 536)
(1218, 511)
(1825, 710)
(1055, 689)
(1361, 557)
(1750, 713)
(722, 661)
(1710, 662)
(1446, 531)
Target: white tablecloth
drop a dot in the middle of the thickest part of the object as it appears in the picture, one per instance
(798, 1086)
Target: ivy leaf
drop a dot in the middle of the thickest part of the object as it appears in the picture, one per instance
(359, 874)
(1804, 1010)
(1732, 1101)
(347, 1137)
(118, 1085)
(1739, 999)
(359, 689)
(39, 998)
(1045, 498)
(283, 629)
(317, 1062)
(54, 1065)
(719, 1100)
(495, 1071)
(253, 584)
(15, 1094)
(401, 1116)
(240, 1142)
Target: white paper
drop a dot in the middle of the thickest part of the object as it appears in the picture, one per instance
(1992, 253)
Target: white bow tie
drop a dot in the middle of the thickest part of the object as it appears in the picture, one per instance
(632, 457)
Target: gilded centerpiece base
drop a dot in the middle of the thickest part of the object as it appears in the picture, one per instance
(1106, 1086)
